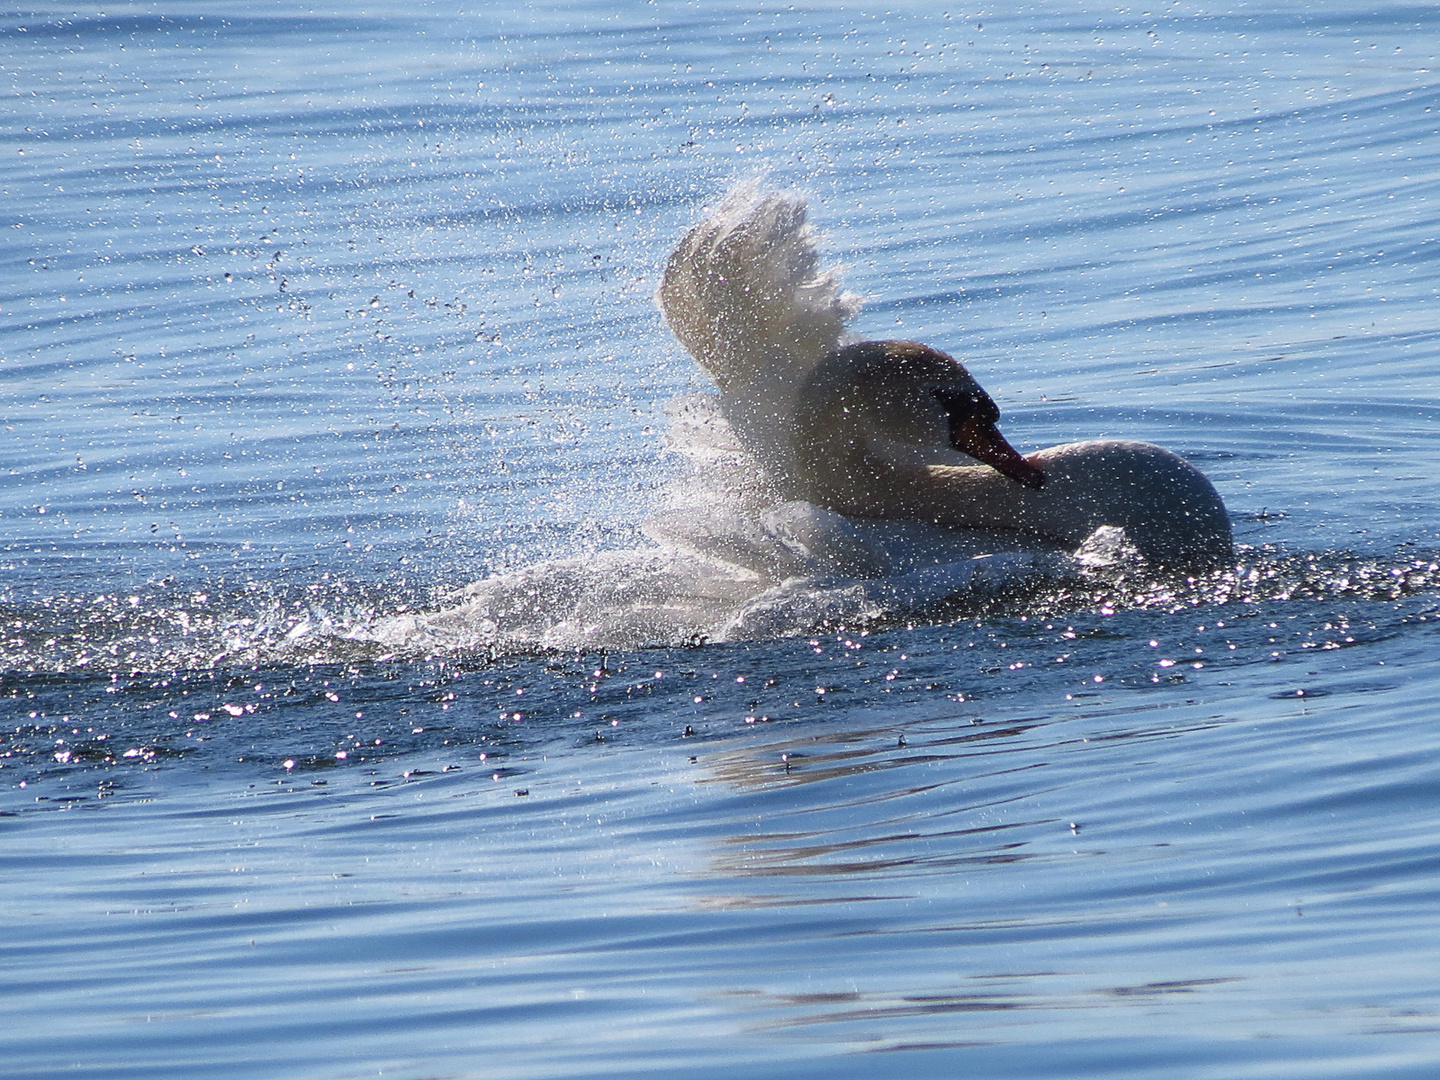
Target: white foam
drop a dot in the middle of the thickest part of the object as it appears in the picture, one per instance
(729, 561)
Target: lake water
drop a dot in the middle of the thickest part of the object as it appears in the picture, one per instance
(309, 321)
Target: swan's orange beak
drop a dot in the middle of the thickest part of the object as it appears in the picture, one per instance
(982, 440)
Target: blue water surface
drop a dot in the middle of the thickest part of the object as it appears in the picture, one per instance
(310, 318)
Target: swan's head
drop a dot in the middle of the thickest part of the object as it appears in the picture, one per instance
(911, 393)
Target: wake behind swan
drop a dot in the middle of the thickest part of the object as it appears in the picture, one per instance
(829, 481)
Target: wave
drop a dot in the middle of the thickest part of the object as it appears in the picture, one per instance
(657, 596)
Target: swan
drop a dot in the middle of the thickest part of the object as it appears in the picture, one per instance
(898, 430)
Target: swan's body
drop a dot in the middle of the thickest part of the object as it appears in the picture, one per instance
(890, 430)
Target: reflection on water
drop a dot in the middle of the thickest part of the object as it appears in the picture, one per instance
(893, 872)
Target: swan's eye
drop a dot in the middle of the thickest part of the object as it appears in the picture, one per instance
(961, 405)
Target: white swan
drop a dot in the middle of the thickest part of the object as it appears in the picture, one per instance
(890, 429)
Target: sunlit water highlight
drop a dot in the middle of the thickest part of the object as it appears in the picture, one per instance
(313, 322)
